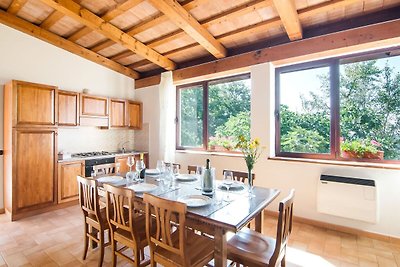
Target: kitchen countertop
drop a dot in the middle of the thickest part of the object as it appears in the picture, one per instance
(113, 154)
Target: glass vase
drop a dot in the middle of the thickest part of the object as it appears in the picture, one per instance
(251, 182)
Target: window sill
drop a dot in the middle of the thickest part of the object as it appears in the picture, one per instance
(394, 166)
(211, 153)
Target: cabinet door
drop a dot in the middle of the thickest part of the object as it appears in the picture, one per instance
(135, 115)
(67, 108)
(67, 182)
(117, 113)
(94, 106)
(35, 152)
(123, 164)
(35, 104)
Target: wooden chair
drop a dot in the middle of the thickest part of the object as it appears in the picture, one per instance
(251, 248)
(94, 217)
(173, 244)
(127, 225)
(192, 168)
(240, 176)
(110, 168)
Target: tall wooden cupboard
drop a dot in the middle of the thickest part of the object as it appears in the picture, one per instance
(30, 147)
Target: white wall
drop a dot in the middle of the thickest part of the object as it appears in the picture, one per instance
(285, 175)
(23, 57)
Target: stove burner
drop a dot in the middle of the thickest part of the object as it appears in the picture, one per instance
(91, 154)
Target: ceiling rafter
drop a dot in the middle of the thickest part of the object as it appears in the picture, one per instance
(219, 18)
(52, 38)
(110, 15)
(51, 19)
(94, 22)
(287, 11)
(184, 20)
(259, 27)
(147, 24)
(16, 6)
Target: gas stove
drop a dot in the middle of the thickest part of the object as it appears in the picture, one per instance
(91, 154)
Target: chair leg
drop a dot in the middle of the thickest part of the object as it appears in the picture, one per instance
(86, 242)
(283, 262)
(101, 248)
(137, 253)
(114, 256)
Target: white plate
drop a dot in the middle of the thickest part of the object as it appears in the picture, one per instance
(109, 179)
(152, 172)
(143, 187)
(195, 200)
(186, 177)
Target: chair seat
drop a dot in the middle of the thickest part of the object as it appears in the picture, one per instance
(199, 249)
(251, 248)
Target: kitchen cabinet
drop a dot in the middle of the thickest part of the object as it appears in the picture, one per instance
(135, 115)
(67, 182)
(117, 113)
(93, 111)
(68, 108)
(33, 105)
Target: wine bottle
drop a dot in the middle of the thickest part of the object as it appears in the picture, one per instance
(207, 184)
(142, 172)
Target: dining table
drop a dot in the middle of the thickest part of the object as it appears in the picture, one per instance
(215, 218)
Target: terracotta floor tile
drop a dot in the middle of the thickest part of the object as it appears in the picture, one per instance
(56, 239)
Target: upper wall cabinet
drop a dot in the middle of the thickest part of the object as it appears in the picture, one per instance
(135, 115)
(94, 111)
(33, 104)
(94, 106)
(68, 103)
(117, 113)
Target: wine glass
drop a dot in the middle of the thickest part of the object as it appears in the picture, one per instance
(161, 169)
(130, 162)
(199, 170)
(175, 170)
(227, 182)
(140, 166)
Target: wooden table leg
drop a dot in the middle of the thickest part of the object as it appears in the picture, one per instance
(259, 222)
(220, 248)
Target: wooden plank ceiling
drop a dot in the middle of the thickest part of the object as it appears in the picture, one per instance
(139, 38)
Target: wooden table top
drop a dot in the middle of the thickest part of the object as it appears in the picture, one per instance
(231, 216)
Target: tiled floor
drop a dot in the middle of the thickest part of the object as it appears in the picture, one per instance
(55, 239)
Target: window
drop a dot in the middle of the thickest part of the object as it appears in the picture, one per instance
(345, 108)
(212, 114)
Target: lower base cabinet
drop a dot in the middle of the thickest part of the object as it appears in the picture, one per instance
(67, 182)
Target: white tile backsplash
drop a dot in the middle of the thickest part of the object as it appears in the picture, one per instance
(85, 139)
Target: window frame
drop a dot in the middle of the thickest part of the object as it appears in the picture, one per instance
(205, 88)
(334, 80)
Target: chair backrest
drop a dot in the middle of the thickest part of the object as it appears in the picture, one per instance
(192, 168)
(120, 209)
(240, 176)
(109, 168)
(168, 164)
(88, 197)
(284, 227)
(166, 211)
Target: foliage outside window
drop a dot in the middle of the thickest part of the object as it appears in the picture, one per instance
(343, 108)
(213, 114)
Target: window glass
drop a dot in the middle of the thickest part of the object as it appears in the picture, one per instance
(228, 112)
(191, 116)
(305, 111)
(370, 108)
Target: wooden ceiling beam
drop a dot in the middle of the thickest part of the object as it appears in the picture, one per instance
(376, 36)
(16, 6)
(110, 15)
(52, 19)
(219, 18)
(262, 26)
(184, 20)
(147, 24)
(47, 36)
(287, 11)
(91, 20)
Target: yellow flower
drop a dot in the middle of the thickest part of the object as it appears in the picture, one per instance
(257, 141)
